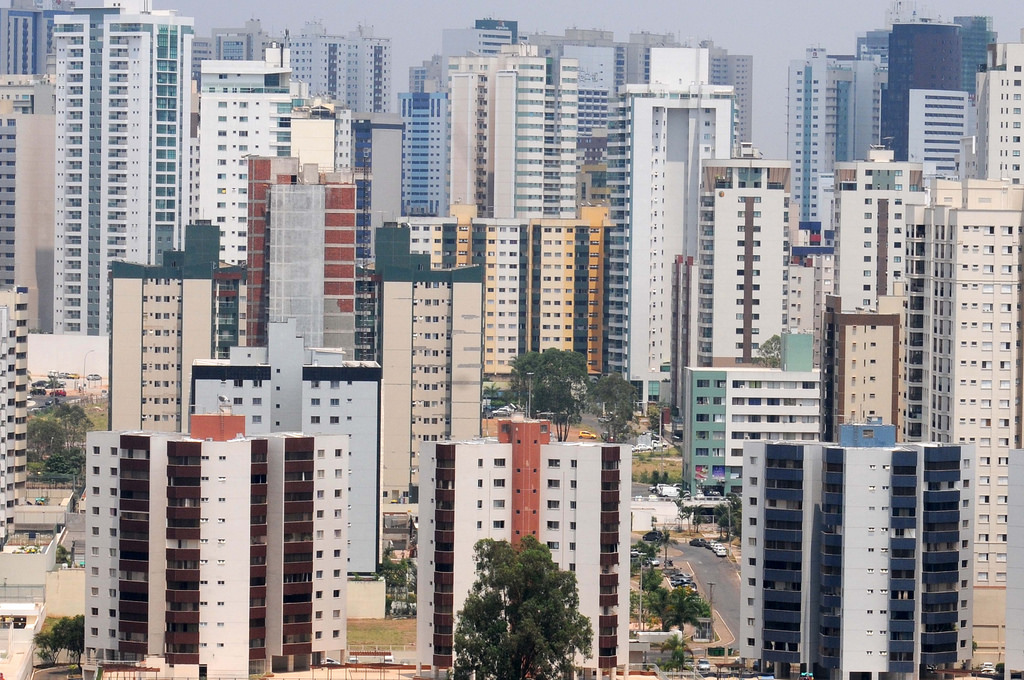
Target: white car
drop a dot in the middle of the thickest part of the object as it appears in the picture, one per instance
(703, 666)
(641, 448)
(720, 550)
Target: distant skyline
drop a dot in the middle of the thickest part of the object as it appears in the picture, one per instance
(773, 32)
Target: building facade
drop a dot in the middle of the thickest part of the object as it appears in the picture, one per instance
(246, 112)
(833, 114)
(431, 353)
(286, 387)
(670, 126)
(353, 70)
(424, 153)
(217, 551)
(13, 404)
(164, 317)
(544, 279)
(999, 138)
(861, 364)
(302, 252)
(871, 584)
(572, 497)
(123, 116)
(513, 133)
(962, 352)
(731, 405)
(26, 37)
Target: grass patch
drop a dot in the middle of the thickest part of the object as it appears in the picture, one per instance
(668, 461)
(97, 412)
(382, 633)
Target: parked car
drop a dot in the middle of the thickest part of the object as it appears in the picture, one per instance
(653, 536)
(698, 542)
(703, 666)
(987, 668)
(641, 448)
(721, 551)
(652, 562)
(94, 376)
(38, 391)
(587, 434)
(328, 661)
(41, 383)
(58, 393)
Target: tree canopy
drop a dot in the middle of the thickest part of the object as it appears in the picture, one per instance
(66, 634)
(554, 383)
(57, 439)
(521, 618)
(613, 397)
(770, 352)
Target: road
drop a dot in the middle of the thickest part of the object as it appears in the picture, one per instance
(708, 568)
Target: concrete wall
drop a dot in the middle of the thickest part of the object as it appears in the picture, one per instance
(365, 600)
(65, 592)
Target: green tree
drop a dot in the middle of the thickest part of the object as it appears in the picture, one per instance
(47, 646)
(521, 618)
(75, 423)
(684, 606)
(613, 397)
(399, 578)
(729, 516)
(770, 352)
(553, 382)
(45, 437)
(685, 512)
(677, 648)
(69, 632)
(66, 462)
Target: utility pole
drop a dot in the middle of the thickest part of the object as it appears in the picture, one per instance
(711, 605)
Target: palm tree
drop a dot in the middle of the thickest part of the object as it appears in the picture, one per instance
(685, 512)
(685, 606)
(678, 648)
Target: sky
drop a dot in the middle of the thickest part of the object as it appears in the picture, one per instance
(773, 31)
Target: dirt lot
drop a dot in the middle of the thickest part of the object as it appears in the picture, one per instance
(385, 633)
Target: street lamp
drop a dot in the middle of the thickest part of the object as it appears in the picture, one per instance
(84, 372)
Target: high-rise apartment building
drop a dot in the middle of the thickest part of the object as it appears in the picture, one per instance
(353, 70)
(28, 124)
(833, 114)
(858, 555)
(730, 405)
(545, 279)
(923, 55)
(302, 252)
(962, 355)
(658, 137)
(122, 167)
(572, 497)
(424, 153)
(513, 133)
(286, 387)
(1013, 569)
(26, 36)
(487, 38)
(164, 317)
(13, 404)
(861, 364)
(736, 70)
(215, 550)
(999, 119)
(377, 160)
(431, 353)
(737, 285)
(872, 203)
(246, 109)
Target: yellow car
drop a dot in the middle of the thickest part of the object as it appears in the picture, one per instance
(587, 434)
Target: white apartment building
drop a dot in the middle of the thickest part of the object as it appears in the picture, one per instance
(938, 121)
(872, 201)
(658, 137)
(246, 111)
(963, 350)
(122, 165)
(214, 550)
(857, 555)
(353, 70)
(833, 114)
(737, 289)
(513, 122)
(1015, 568)
(572, 497)
(999, 93)
(285, 387)
(13, 403)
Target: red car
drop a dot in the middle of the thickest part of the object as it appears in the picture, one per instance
(58, 393)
